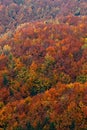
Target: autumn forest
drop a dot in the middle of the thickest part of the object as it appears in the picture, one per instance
(43, 64)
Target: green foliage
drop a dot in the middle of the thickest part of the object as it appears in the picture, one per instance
(10, 57)
(11, 92)
(29, 126)
(18, 128)
(5, 80)
(39, 126)
(52, 126)
(64, 78)
(33, 91)
(23, 75)
(49, 60)
(81, 78)
(40, 85)
(72, 126)
(1, 104)
(11, 62)
(84, 46)
(46, 121)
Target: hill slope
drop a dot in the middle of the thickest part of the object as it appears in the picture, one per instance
(15, 12)
(43, 65)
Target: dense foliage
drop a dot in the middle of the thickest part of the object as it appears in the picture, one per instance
(15, 12)
(43, 65)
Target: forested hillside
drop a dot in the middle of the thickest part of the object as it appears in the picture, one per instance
(43, 65)
(16, 12)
